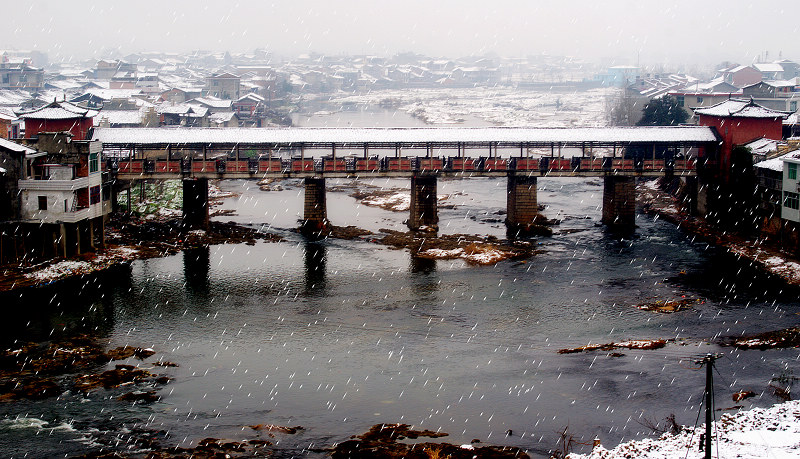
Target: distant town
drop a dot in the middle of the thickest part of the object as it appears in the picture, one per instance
(221, 89)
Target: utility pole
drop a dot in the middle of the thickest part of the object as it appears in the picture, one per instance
(708, 361)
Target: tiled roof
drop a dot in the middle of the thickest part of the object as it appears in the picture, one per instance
(738, 108)
(13, 146)
(58, 111)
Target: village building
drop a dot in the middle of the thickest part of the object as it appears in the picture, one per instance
(15, 75)
(249, 107)
(58, 117)
(107, 69)
(740, 75)
(223, 86)
(56, 197)
(777, 95)
(738, 123)
(9, 125)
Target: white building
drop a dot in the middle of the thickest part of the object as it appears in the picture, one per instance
(790, 204)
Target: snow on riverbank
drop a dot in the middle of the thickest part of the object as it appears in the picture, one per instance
(67, 268)
(758, 433)
(398, 202)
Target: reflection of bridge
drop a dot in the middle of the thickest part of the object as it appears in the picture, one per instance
(522, 154)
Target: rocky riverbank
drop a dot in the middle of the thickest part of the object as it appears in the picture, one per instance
(759, 253)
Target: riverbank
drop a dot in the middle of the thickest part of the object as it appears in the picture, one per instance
(129, 239)
(759, 253)
(756, 433)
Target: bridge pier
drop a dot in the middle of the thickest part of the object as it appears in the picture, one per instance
(522, 205)
(195, 203)
(424, 206)
(315, 209)
(619, 202)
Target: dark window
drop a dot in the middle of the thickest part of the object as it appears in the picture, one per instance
(94, 194)
(791, 200)
(94, 163)
(699, 100)
(680, 101)
(42, 202)
(792, 171)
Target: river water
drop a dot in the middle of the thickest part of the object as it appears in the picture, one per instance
(336, 336)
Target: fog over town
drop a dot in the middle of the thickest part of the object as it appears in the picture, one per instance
(624, 32)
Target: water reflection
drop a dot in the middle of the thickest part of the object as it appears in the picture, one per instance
(316, 254)
(62, 309)
(421, 265)
(196, 266)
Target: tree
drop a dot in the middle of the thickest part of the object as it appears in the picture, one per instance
(663, 111)
(623, 109)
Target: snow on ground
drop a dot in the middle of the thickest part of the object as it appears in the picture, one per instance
(485, 256)
(76, 267)
(60, 269)
(496, 106)
(758, 433)
(399, 202)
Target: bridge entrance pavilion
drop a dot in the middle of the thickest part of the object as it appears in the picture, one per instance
(619, 155)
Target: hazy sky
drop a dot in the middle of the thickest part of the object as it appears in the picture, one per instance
(696, 31)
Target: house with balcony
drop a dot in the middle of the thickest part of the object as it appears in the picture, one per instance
(59, 197)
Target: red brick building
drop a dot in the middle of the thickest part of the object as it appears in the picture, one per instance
(739, 122)
(59, 117)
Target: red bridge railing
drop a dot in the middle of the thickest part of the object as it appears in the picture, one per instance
(401, 164)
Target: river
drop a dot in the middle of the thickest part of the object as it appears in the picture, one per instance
(336, 336)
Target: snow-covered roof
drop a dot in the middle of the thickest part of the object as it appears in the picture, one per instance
(119, 117)
(58, 111)
(409, 136)
(252, 96)
(7, 114)
(213, 102)
(774, 164)
(762, 146)
(767, 67)
(221, 117)
(739, 108)
(13, 146)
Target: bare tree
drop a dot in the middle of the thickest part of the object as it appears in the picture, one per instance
(622, 109)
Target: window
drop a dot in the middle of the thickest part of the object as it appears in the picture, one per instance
(791, 200)
(699, 100)
(793, 105)
(680, 101)
(94, 194)
(42, 202)
(94, 162)
(792, 171)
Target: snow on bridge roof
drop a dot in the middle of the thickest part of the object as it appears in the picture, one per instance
(406, 136)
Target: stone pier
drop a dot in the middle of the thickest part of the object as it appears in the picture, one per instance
(522, 205)
(195, 204)
(315, 210)
(619, 202)
(424, 210)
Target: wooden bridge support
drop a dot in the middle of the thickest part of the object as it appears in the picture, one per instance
(424, 206)
(315, 209)
(522, 205)
(619, 202)
(195, 204)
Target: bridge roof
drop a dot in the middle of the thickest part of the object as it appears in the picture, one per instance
(419, 137)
